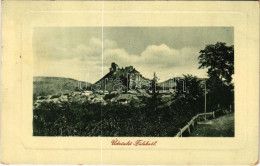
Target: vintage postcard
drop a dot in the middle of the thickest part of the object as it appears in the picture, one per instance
(130, 82)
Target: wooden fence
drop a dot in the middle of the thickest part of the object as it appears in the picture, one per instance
(193, 121)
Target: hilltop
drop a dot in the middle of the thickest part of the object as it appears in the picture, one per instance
(170, 83)
(122, 78)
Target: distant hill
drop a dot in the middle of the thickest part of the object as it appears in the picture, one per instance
(43, 86)
(127, 77)
(170, 83)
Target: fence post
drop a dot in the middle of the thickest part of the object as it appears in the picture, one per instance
(195, 120)
(189, 129)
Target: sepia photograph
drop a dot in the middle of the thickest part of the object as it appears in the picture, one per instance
(133, 81)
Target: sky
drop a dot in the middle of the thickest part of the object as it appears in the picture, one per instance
(76, 52)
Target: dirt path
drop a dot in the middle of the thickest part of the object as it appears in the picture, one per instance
(220, 127)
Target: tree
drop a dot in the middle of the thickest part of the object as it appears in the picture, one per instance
(219, 60)
(189, 95)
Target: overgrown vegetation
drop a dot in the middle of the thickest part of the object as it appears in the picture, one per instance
(113, 119)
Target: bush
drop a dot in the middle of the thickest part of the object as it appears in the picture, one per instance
(54, 96)
(109, 96)
(113, 119)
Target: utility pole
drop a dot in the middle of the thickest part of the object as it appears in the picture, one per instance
(205, 99)
(154, 83)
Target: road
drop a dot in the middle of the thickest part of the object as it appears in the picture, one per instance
(222, 126)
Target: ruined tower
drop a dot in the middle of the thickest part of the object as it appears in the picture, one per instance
(114, 67)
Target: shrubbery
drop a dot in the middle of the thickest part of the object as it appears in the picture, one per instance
(113, 119)
(151, 117)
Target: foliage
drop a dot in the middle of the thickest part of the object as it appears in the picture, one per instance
(189, 95)
(51, 119)
(219, 95)
(219, 60)
(109, 96)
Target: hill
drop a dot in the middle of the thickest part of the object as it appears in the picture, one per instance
(170, 83)
(43, 86)
(219, 127)
(122, 78)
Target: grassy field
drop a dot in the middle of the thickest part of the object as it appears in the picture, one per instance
(220, 127)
